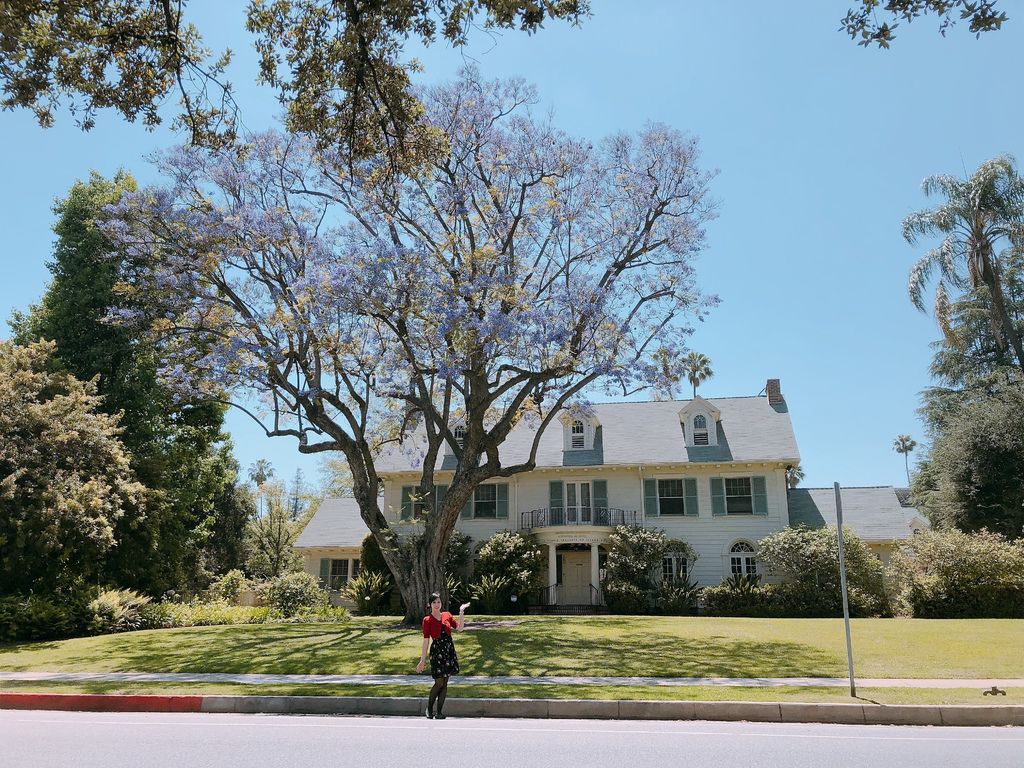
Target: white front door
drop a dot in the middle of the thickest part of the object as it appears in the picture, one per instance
(578, 505)
(575, 578)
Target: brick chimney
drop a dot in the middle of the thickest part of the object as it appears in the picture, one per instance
(774, 391)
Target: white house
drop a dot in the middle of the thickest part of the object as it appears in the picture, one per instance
(709, 472)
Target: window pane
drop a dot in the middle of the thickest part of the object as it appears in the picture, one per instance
(666, 569)
(670, 488)
(670, 497)
(486, 501)
(739, 505)
(737, 486)
(751, 566)
(671, 507)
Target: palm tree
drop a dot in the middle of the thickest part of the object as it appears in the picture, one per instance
(905, 444)
(794, 475)
(981, 223)
(259, 472)
(698, 369)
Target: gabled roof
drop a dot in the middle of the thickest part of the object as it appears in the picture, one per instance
(874, 513)
(336, 523)
(647, 433)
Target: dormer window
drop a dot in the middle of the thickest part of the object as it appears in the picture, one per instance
(459, 433)
(700, 429)
(699, 422)
(579, 435)
(578, 431)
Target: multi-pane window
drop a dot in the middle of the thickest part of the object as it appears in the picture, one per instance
(700, 430)
(459, 433)
(671, 497)
(741, 559)
(339, 574)
(420, 503)
(577, 437)
(485, 501)
(739, 499)
(674, 567)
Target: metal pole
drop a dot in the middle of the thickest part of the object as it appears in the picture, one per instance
(842, 584)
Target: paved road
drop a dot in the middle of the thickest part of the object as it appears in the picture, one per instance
(97, 740)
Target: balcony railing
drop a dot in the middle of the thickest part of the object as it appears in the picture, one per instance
(549, 516)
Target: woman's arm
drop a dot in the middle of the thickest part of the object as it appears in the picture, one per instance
(423, 655)
(462, 616)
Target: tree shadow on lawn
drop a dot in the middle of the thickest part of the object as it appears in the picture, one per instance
(643, 654)
(269, 649)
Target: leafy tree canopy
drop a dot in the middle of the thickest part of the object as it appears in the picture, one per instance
(373, 312)
(65, 479)
(337, 66)
(874, 22)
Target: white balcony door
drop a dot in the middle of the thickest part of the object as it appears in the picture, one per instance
(578, 504)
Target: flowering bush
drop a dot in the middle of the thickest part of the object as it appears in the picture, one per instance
(635, 554)
(624, 597)
(951, 574)
(517, 559)
(294, 591)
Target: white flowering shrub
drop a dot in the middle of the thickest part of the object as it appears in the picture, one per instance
(516, 558)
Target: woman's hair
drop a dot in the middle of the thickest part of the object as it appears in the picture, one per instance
(434, 596)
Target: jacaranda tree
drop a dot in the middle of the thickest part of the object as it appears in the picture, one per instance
(360, 310)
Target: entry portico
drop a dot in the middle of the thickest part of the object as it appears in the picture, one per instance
(581, 561)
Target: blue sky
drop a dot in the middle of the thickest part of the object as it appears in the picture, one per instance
(821, 147)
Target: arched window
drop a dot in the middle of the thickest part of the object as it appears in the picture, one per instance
(700, 430)
(742, 560)
(460, 435)
(577, 434)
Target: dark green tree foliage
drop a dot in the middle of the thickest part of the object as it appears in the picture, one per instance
(65, 480)
(976, 478)
(874, 22)
(177, 449)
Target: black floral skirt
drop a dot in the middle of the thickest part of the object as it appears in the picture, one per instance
(443, 661)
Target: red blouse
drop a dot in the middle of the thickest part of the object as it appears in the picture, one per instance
(433, 628)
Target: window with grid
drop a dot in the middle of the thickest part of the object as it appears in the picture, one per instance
(459, 433)
(420, 505)
(674, 567)
(739, 499)
(339, 574)
(671, 497)
(577, 439)
(485, 501)
(700, 430)
(741, 559)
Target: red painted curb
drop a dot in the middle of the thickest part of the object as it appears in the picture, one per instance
(99, 702)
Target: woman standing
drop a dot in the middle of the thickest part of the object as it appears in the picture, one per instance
(437, 634)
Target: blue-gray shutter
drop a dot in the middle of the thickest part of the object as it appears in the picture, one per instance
(690, 491)
(717, 496)
(325, 572)
(467, 508)
(407, 502)
(600, 494)
(440, 491)
(651, 497)
(501, 506)
(757, 484)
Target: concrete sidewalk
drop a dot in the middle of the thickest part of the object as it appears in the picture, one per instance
(753, 682)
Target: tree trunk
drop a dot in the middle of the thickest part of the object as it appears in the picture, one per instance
(425, 575)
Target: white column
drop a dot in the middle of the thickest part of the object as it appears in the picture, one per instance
(553, 571)
(595, 574)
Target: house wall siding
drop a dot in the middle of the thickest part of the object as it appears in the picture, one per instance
(710, 536)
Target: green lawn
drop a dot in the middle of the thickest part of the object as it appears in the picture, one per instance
(605, 645)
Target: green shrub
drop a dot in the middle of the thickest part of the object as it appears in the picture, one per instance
(229, 586)
(369, 591)
(491, 593)
(518, 560)
(292, 592)
(458, 590)
(321, 614)
(807, 560)
(624, 597)
(754, 601)
(32, 617)
(117, 610)
(200, 614)
(951, 574)
(676, 598)
(635, 555)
